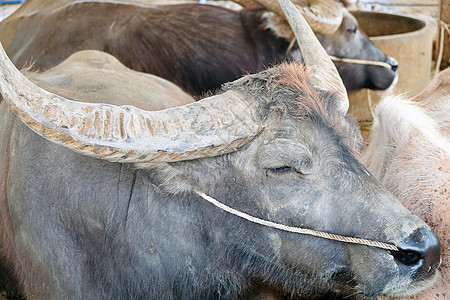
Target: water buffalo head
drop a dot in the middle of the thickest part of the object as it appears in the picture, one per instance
(359, 62)
(276, 145)
(349, 42)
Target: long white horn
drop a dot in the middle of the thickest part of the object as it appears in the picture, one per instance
(210, 127)
(324, 73)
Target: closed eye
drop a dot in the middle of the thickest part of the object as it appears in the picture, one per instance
(281, 170)
(351, 30)
(284, 169)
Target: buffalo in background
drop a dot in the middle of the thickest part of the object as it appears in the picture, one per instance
(409, 152)
(98, 77)
(198, 47)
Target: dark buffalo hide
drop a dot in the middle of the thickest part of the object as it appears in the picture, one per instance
(198, 47)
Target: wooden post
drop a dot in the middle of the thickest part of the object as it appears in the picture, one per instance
(444, 16)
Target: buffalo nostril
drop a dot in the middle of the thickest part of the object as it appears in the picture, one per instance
(393, 63)
(408, 258)
(420, 251)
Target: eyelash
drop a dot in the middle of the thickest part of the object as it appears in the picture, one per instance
(284, 169)
(281, 170)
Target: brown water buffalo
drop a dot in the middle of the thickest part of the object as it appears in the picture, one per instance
(198, 47)
(409, 151)
(108, 202)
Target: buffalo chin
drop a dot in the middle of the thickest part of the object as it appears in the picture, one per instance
(356, 78)
(389, 80)
(397, 290)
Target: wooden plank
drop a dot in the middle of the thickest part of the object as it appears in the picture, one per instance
(402, 2)
(444, 16)
(429, 12)
(429, 9)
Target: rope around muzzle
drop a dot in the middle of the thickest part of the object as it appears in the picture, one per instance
(444, 27)
(361, 61)
(330, 236)
(347, 60)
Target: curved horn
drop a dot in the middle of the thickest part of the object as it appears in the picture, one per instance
(324, 73)
(126, 133)
(323, 16)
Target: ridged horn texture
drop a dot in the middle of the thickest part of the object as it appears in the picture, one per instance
(210, 127)
(323, 72)
(323, 16)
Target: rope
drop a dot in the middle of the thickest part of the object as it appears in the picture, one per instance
(291, 45)
(361, 61)
(347, 60)
(370, 104)
(299, 230)
(443, 27)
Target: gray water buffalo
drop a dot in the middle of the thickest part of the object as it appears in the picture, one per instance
(99, 201)
(98, 77)
(198, 47)
(409, 152)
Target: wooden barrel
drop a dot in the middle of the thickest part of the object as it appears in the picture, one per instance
(410, 41)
